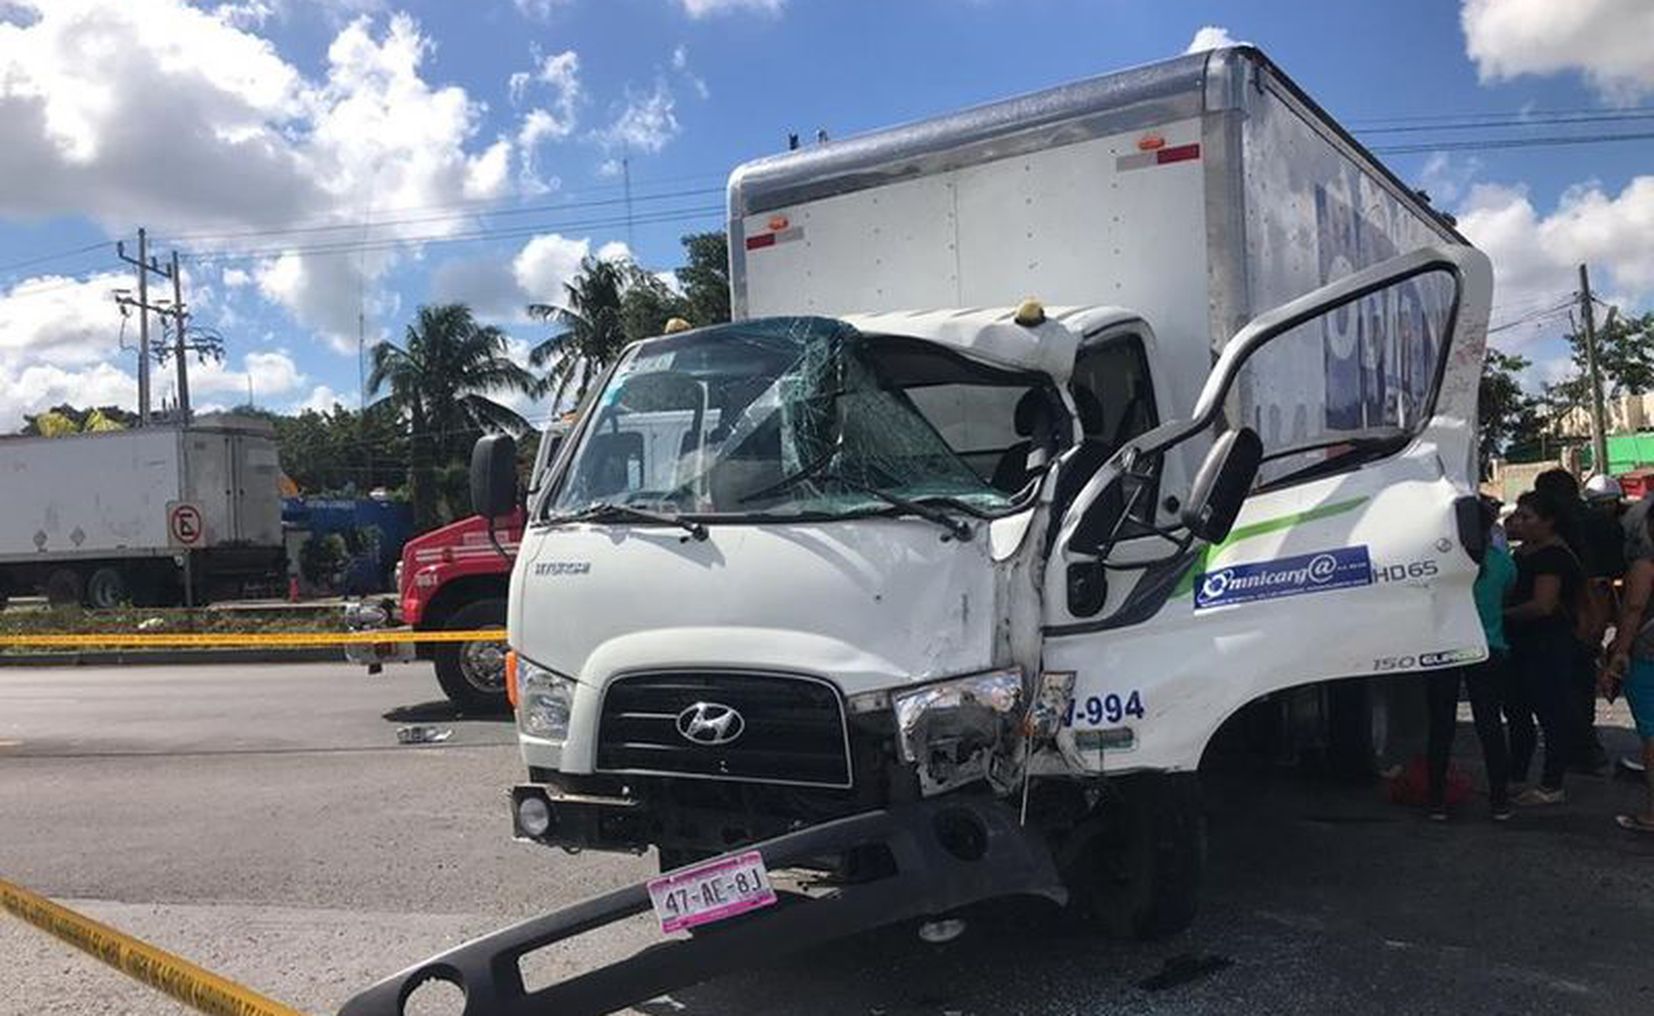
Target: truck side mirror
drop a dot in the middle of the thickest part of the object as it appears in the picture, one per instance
(1222, 484)
(494, 476)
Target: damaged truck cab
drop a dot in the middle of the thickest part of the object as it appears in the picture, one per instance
(845, 555)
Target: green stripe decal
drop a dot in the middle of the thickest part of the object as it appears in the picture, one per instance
(1186, 584)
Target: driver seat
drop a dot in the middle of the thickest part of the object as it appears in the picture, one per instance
(1034, 422)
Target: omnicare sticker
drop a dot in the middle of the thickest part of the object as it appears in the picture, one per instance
(1289, 576)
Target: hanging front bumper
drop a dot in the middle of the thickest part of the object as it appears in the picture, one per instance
(932, 857)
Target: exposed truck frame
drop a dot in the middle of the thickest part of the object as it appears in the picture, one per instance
(945, 649)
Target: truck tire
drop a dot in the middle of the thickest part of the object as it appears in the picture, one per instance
(106, 589)
(472, 674)
(1134, 870)
(64, 588)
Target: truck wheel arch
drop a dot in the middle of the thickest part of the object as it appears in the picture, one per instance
(457, 593)
(1346, 688)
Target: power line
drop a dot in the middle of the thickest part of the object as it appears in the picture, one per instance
(366, 224)
(465, 207)
(1507, 124)
(1512, 114)
(42, 259)
(437, 239)
(1498, 143)
(1534, 316)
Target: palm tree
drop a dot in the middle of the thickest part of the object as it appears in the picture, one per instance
(440, 380)
(590, 329)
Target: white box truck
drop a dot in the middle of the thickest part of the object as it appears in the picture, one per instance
(127, 516)
(947, 590)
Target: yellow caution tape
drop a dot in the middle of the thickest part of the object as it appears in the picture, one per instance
(197, 988)
(234, 640)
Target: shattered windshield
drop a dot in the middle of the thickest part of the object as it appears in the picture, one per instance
(803, 416)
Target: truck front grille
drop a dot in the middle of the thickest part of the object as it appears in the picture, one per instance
(792, 728)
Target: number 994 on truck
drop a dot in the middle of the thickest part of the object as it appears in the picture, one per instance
(952, 587)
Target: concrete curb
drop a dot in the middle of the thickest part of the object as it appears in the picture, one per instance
(173, 657)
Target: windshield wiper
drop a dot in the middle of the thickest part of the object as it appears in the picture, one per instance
(608, 509)
(957, 530)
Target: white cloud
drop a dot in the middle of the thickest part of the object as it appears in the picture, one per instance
(539, 10)
(1606, 40)
(235, 278)
(1210, 37)
(321, 399)
(646, 124)
(545, 263)
(558, 76)
(488, 175)
(615, 250)
(41, 386)
(703, 8)
(60, 341)
(173, 115)
(1446, 179)
(1536, 256)
(500, 291)
(680, 63)
(271, 374)
(62, 321)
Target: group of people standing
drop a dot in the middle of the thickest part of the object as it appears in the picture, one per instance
(1562, 573)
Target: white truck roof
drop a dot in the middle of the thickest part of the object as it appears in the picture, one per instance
(992, 335)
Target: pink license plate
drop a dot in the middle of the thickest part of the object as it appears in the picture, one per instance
(711, 891)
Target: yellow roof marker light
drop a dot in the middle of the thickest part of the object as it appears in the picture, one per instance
(1030, 312)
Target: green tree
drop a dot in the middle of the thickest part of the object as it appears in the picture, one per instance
(705, 278)
(441, 382)
(1625, 354)
(647, 305)
(1508, 417)
(609, 304)
(343, 451)
(590, 327)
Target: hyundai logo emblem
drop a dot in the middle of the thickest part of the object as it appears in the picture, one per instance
(710, 723)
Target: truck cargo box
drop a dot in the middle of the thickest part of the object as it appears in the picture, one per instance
(110, 495)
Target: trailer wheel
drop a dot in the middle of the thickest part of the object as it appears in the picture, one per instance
(472, 674)
(106, 589)
(1134, 869)
(64, 588)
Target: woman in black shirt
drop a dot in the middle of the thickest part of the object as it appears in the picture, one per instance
(1539, 623)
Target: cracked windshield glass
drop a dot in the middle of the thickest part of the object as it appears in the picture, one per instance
(803, 416)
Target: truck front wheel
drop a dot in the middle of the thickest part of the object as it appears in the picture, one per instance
(1134, 869)
(472, 674)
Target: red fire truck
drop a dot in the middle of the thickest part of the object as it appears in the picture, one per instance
(449, 579)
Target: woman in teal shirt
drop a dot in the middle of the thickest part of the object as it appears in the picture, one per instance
(1484, 681)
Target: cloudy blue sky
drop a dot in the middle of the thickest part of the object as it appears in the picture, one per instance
(322, 163)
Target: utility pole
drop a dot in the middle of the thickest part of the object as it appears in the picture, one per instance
(145, 264)
(1599, 420)
(626, 177)
(179, 317)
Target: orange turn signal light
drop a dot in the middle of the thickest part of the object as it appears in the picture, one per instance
(511, 677)
(1150, 142)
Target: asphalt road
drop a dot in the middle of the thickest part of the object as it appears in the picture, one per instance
(263, 822)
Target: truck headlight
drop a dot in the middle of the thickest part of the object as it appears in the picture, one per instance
(951, 729)
(544, 698)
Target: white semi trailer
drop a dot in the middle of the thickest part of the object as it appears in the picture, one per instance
(135, 515)
(948, 589)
